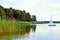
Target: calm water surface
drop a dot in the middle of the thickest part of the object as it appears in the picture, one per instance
(36, 32)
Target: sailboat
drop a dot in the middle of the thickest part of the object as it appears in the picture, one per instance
(51, 22)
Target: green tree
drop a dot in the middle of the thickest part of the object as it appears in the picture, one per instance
(33, 18)
(17, 15)
(28, 17)
(9, 13)
(2, 13)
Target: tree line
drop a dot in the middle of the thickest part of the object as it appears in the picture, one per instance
(19, 15)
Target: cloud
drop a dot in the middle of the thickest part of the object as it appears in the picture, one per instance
(10, 0)
(54, 5)
(54, 1)
(39, 8)
(28, 5)
(54, 8)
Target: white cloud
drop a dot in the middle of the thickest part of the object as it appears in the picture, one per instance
(54, 5)
(10, 0)
(54, 8)
(34, 5)
(28, 5)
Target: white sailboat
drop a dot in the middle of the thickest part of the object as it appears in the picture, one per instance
(51, 22)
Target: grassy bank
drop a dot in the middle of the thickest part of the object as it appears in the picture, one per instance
(8, 24)
(39, 22)
(10, 27)
(7, 27)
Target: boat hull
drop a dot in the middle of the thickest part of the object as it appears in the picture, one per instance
(51, 25)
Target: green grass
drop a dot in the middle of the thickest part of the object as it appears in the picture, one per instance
(8, 27)
(9, 24)
(4, 24)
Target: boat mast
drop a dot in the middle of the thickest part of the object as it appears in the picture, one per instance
(51, 20)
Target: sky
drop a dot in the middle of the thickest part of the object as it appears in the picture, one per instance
(43, 9)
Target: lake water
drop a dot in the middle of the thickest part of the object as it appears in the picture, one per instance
(36, 32)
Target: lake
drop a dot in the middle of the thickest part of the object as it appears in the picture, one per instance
(36, 32)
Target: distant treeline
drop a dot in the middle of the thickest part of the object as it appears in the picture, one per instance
(15, 14)
(48, 21)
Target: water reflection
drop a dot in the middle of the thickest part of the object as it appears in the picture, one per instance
(44, 32)
(34, 32)
(19, 35)
(33, 28)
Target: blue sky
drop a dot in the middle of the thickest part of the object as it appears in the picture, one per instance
(43, 9)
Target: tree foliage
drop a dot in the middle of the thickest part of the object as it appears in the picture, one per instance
(19, 15)
(2, 13)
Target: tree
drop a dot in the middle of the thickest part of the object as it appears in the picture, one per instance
(17, 15)
(33, 18)
(28, 17)
(9, 13)
(2, 13)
